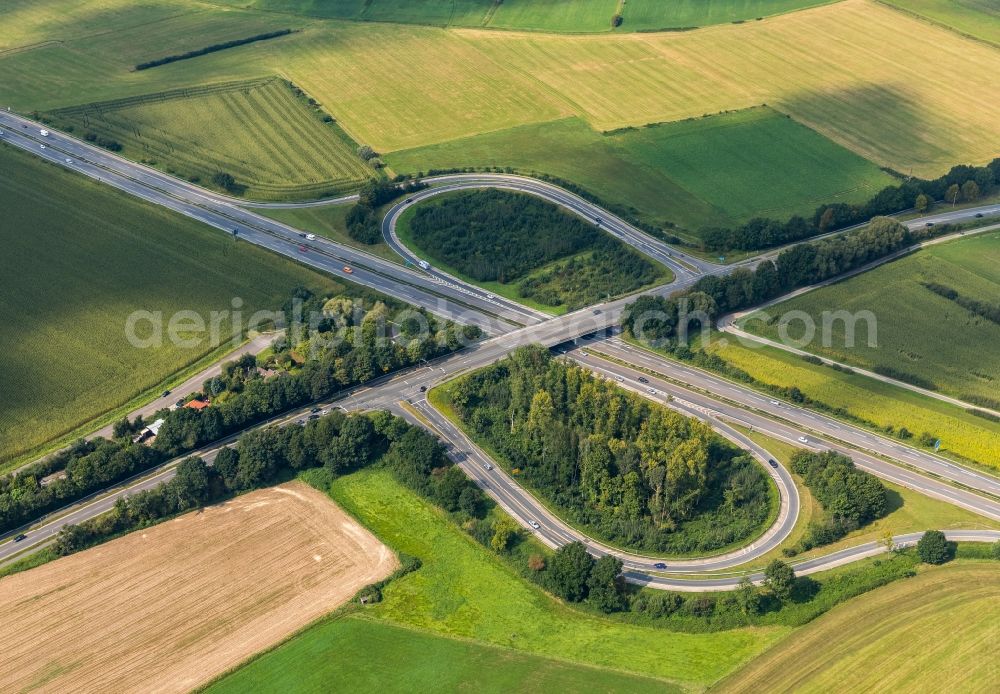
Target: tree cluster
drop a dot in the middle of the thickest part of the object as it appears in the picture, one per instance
(363, 224)
(962, 183)
(211, 49)
(574, 575)
(851, 498)
(983, 309)
(628, 470)
(500, 236)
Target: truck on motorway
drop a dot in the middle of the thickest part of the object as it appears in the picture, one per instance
(44, 132)
(424, 264)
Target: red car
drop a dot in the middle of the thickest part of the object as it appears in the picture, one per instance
(302, 249)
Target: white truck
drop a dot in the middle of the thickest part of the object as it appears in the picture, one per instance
(44, 132)
(424, 264)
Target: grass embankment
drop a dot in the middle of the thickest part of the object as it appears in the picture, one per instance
(718, 170)
(261, 132)
(330, 222)
(381, 80)
(919, 332)
(79, 259)
(937, 631)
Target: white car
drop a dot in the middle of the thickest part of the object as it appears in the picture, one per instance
(803, 439)
(534, 524)
(42, 146)
(491, 296)
(68, 160)
(775, 402)
(310, 237)
(651, 391)
(620, 379)
(488, 467)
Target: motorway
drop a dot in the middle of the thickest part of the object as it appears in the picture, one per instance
(710, 398)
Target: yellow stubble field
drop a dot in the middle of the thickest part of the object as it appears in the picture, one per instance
(170, 607)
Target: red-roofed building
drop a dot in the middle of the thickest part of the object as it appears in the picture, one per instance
(197, 404)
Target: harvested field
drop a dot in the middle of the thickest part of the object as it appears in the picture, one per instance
(171, 607)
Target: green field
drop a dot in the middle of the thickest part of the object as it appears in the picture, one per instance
(259, 131)
(382, 81)
(935, 632)
(976, 18)
(464, 591)
(357, 654)
(918, 331)
(78, 259)
(649, 15)
(573, 16)
(718, 170)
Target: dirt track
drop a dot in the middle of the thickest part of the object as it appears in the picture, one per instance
(168, 608)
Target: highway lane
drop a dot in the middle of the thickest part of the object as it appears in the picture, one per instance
(461, 303)
(920, 470)
(411, 385)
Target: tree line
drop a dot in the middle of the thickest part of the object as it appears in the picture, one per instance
(336, 443)
(983, 309)
(211, 49)
(630, 471)
(662, 320)
(851, 498)
(960, 184)
(241, 397)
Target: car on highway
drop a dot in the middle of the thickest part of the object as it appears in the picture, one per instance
(620, 379)
(659, 565)
(348, 270)
(310, 237)
(597, 311)
(534, 524)
(20, 537)
(775, 402)
(42, 146)
(409, 200)
(929, 224)
(979, 215)
(803, 439)
(423, 389)
(491, 296)
(302, 249)
(651, 391)
(773, 463)
(643, 379)
(44, 132)
(313, 416)
(597, 220)
(302, 234)
(165, 394)
(488, 467)
(316, 409)
(68, 160)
